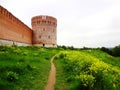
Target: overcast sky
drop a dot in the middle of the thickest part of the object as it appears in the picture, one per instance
(90, 23)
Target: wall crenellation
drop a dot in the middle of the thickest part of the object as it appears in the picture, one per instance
(10, 16)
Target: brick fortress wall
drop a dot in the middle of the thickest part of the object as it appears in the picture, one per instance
(44, 31)
(12, 30)
(15, 32)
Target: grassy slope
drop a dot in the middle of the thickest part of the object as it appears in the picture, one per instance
(115, 61)
(64, 80)
(61, 77)
(28, 67)
(24, 67)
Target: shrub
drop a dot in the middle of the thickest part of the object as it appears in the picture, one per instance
(116, 51)
(86, 81)
(62, 55)
(106, 50)
(12, 76)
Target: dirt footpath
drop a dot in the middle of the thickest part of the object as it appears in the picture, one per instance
(52, 76)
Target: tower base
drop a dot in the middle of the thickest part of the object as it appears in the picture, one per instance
(45, 45)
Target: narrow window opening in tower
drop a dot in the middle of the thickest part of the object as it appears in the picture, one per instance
(48, 22)
(45, 22)
(49, 37)
(40, 37)
(43, 29)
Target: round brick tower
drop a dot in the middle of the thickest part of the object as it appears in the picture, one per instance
(44, 31)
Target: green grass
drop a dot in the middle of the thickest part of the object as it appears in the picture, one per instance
(61, 77)
(87, 70)
(104, 57)
(27, 68)
(24, 68)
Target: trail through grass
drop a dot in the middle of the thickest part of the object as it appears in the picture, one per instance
(52, 76)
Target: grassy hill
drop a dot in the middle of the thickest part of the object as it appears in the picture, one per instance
(24, 68)
(27, 68)
(87, 70)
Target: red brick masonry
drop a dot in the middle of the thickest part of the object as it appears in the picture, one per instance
(12, 29)
(44, 30)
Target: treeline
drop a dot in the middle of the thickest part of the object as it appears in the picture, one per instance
(112, 51)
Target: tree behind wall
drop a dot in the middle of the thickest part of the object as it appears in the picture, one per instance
(116, 51)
